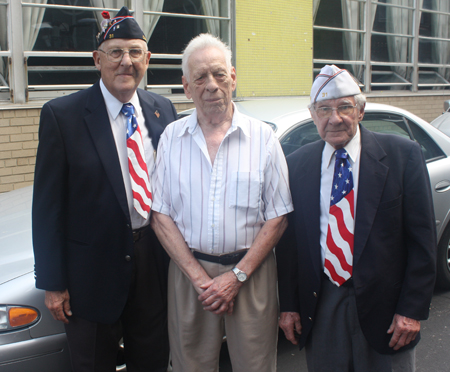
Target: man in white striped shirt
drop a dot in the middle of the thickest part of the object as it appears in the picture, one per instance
(221, 193)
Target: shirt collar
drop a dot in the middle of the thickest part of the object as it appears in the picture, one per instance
(352, 148)
(191, 124)
(113, 105)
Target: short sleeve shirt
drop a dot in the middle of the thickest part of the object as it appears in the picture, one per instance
(220, 207)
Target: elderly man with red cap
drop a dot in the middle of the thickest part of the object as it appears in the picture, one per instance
(96, 256)
(357, 262)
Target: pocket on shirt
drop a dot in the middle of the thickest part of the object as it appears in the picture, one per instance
(245, 190)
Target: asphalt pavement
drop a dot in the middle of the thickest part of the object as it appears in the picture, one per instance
(432, 353)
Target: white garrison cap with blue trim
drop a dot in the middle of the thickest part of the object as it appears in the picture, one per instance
(332, 83)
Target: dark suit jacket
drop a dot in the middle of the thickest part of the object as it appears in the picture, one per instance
(395, 237)
(81, 224)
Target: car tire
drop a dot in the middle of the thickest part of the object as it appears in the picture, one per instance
(443, 261)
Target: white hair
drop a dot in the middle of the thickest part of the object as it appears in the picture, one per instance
(360, 100)
(200, 42)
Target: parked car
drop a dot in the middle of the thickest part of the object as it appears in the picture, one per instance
(292, 122)
(31, 340)
(442, 122)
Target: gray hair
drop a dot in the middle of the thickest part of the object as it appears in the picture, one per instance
(204, 41)
(360, 100)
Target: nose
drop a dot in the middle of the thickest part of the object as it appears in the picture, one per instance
(335, 118)
(126, 60)
(211, 84)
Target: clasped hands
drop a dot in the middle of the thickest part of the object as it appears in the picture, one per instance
(217, 295)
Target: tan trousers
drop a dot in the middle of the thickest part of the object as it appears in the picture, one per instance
(195, 335)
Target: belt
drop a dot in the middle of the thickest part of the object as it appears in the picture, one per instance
(346, 284)
(138, 234)
(223, 259)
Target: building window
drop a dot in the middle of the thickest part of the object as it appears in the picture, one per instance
(386, 44)
(4, 53)
(60, 35)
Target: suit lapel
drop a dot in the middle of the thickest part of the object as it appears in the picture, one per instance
(97, 121)
(153, 117)
(372, 178)
(307, 177)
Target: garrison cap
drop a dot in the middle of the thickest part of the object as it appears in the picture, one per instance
(122, 26)
(332, 83)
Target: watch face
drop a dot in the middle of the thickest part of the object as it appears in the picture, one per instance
(241, 276)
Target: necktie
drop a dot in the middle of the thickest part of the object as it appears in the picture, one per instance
(140, 182)
(339, 252)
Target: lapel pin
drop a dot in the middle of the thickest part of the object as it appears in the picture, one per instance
(157, 114)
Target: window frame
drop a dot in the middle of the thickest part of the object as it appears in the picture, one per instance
(19, 91)
(413, 63)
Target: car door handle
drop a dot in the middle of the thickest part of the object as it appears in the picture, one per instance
(442, 186)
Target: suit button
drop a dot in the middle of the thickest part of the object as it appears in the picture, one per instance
(127, 258)
(315, 294)
(310, 319)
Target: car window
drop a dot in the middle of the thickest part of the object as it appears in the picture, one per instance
(430, 149)
(302, 134)
(401, 126)
(386, 123)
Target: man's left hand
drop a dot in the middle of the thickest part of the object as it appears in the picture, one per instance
(220, 293)
(403, 330)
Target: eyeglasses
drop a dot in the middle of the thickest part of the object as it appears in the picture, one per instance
(344, 110)
(116, 55)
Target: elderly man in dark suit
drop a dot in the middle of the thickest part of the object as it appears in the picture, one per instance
(357, 263)
(96, 256)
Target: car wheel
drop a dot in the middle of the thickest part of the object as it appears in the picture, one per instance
(443, 261)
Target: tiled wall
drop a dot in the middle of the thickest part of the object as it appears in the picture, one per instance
(274, 42)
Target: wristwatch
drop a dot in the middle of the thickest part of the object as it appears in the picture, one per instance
(241, 276)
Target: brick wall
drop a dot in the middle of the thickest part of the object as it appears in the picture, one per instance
(19, 133)
(18, 144)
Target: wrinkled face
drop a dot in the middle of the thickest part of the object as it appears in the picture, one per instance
(121, 78)
(337, 129)
(211, 83)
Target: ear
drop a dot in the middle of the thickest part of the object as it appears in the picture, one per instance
(147, 59)
(186, 87)
(233, 77)
(313, 115)
(96, 56)
(361, 113)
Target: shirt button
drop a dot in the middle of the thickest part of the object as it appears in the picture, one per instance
(127, 258)
(212, 225)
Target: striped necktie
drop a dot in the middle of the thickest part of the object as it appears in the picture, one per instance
(140, 182)
(339, 252)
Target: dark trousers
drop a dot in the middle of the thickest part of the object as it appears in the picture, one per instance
(143, 323)
(337, 343)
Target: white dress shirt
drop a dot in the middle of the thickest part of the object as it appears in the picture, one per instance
(119, 129)
(328, 159)
(221, 207)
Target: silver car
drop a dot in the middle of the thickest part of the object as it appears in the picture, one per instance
(442, 122)
(30, 339)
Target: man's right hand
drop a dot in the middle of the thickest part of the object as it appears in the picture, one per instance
(290, 322)
(58, 302)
